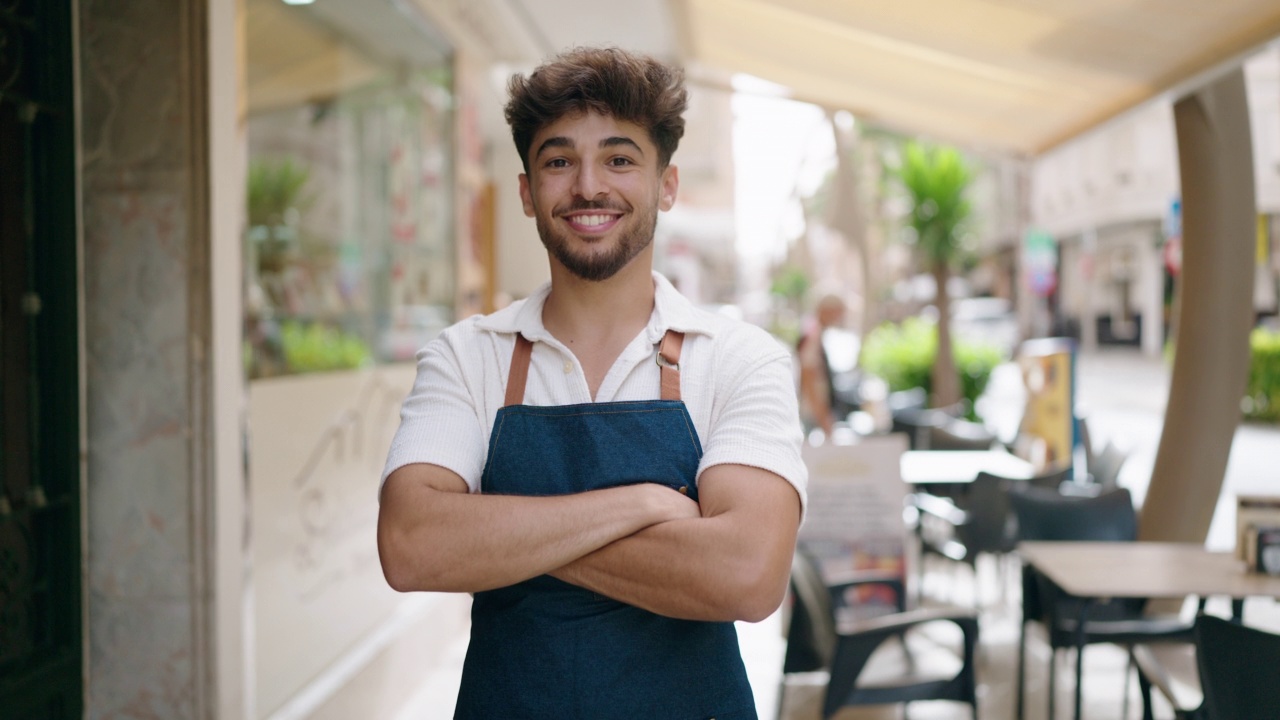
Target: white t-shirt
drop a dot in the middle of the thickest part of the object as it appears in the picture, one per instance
(736, 382)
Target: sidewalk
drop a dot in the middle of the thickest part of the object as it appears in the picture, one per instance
(1123, 395)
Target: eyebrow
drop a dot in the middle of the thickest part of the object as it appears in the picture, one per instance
(620, 140)
(561, 141)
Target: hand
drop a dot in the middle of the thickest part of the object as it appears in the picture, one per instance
(668, 504)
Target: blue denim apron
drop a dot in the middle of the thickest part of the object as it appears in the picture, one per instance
(546, 649)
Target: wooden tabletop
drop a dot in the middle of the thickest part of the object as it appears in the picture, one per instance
(1145, 569)
(923, 467)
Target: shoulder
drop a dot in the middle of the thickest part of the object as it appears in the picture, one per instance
(742, 340)
(460, 339)
(727, 339)
(480, 332)
(468, 350)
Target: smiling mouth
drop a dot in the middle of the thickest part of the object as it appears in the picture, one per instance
(591, 223)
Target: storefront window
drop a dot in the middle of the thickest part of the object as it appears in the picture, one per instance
(349, 256)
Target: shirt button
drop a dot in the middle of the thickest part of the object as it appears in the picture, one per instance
(568, 367)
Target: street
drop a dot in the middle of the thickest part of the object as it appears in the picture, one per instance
(1123, 394)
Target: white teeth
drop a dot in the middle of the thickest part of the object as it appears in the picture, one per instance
(592, 220)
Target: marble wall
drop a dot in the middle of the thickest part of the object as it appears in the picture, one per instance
(145, 238)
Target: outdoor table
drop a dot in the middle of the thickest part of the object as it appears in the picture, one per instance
(960, 467)
(1098, 571)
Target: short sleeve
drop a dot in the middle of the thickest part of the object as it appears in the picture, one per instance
(758, 422)
(440, 422)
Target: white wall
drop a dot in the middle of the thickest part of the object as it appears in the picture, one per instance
(1125, 175)
(1127, 170)
(1122, 172)
(1262, 78)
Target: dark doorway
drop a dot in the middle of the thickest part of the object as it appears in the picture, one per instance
(40, 596)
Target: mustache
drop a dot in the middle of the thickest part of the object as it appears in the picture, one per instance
(579, 204)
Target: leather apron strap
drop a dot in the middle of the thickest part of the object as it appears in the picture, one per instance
(668, 358)
(518, 376)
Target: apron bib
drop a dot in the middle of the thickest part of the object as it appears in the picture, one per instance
(546, 649)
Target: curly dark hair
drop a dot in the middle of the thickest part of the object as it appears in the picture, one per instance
(623, 85)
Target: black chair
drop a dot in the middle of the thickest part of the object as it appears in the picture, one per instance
(979, 520)
(1239, 667)
(916, 420)
(875, 661)
(959, 434)
(1108, 517)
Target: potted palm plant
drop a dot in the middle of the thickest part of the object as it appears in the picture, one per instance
(936, 178)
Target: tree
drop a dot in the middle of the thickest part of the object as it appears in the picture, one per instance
(936, 178)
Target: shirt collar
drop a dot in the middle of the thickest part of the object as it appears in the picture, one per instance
(671, 311)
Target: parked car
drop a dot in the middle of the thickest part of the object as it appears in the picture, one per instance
(986, 320)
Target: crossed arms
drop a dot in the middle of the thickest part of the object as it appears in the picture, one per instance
(725, 558)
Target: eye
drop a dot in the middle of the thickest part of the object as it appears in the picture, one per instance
(557, 163)
(621, 161)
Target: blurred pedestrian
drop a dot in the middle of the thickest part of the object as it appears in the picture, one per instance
(614, 473)
(820, 406)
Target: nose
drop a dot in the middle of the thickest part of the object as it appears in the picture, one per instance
(589, 183)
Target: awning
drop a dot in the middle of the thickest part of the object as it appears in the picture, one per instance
(1013, 75)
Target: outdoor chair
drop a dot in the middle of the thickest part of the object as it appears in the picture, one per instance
(959, 434)
(1044, 514)
(882, 660)
(979, 520)
(1228, 672)
(917, 421)
(1238, 666)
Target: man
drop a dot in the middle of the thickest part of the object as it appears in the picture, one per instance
(819, 402)
(610, 538)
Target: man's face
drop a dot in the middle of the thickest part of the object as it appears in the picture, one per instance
(595, 187)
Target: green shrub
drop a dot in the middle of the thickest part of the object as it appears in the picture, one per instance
(903, 356)
(315, 347)
(1262, 397)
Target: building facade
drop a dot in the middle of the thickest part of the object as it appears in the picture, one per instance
(235, 223)
(1110, 200)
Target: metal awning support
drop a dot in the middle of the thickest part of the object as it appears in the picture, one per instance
(1211, 364)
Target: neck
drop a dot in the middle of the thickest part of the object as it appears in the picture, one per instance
(579, 312)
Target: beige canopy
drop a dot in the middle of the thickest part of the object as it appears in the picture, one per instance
(1016, 75)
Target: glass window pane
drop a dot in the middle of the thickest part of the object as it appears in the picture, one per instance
(348, 248)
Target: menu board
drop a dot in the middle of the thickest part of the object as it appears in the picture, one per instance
(854, 528)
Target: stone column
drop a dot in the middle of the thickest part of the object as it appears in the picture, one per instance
(1212, 354)
(148, 353)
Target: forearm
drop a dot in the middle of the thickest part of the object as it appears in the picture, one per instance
(431, 539)
(696, 569)
(730, 564)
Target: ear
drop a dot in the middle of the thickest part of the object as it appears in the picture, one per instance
(667, 191)
(526, 195)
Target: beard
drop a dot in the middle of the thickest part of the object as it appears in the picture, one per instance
(599, 266)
